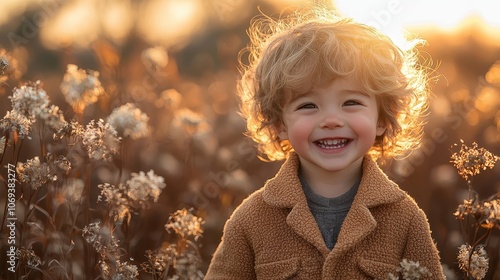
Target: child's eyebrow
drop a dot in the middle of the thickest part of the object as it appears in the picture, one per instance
(300, 95)
(354, 91)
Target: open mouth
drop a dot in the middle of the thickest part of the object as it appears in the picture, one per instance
(332, 143)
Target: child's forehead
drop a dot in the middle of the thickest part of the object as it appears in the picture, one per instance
(342, 85)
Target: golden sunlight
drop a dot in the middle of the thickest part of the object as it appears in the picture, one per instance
(77, 23)
(394, 16)
(171, 22)
(11, 8)
(487, 100)
(118, 20)
(493, 75)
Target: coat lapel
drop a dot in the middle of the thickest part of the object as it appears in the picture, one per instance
(374, 189)
(285, 191)
(303, 223)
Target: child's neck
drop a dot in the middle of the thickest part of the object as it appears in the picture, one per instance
(332, 184)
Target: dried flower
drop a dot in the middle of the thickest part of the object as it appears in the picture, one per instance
(9, 66)
(101, 238)
(91, 232)
(105, 269)
(488, 213)
(58, 164)
(29, 100)
(112, 269)
(479, 262)
(118, 203)
(52, 117)
(410, 270)
(413, 270)
(185, 224)
(125, 271)
(126, 198)
(14, 121)
(101, 140)
(35, 173)
(129, 121)
(160, 260)
(465, 209)
(81, 88)
(469, 161)
(143, 186)
(28, 257)
(69, 129)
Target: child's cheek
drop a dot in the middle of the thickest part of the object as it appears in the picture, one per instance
(300, 130)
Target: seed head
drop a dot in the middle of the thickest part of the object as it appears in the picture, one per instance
(469, 161)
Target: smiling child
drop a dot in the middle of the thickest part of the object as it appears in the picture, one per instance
(331, 96)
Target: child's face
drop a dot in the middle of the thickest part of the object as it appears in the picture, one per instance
(331, 128)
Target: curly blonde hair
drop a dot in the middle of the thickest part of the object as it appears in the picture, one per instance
(291, 55)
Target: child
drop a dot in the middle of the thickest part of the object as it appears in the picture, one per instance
(330, 96)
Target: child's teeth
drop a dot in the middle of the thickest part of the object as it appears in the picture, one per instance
(332, 143)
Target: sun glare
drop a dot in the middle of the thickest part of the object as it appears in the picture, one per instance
(394, 16)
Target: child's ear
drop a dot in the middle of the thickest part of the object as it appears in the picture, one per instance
(281, 132)
(380, 129)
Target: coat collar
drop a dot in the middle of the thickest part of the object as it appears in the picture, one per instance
(285, 191)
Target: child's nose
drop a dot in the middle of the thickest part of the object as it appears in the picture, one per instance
(331, 120)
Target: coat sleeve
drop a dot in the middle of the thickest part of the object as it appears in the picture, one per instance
(233, 258)
(421, 247)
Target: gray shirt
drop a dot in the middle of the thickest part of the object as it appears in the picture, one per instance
(329, 213)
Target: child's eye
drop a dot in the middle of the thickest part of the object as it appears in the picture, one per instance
(307, 106)
(352, 103)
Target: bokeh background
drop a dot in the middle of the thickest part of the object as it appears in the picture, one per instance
(214, 167)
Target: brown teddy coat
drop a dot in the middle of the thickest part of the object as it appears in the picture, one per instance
(273, 235)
